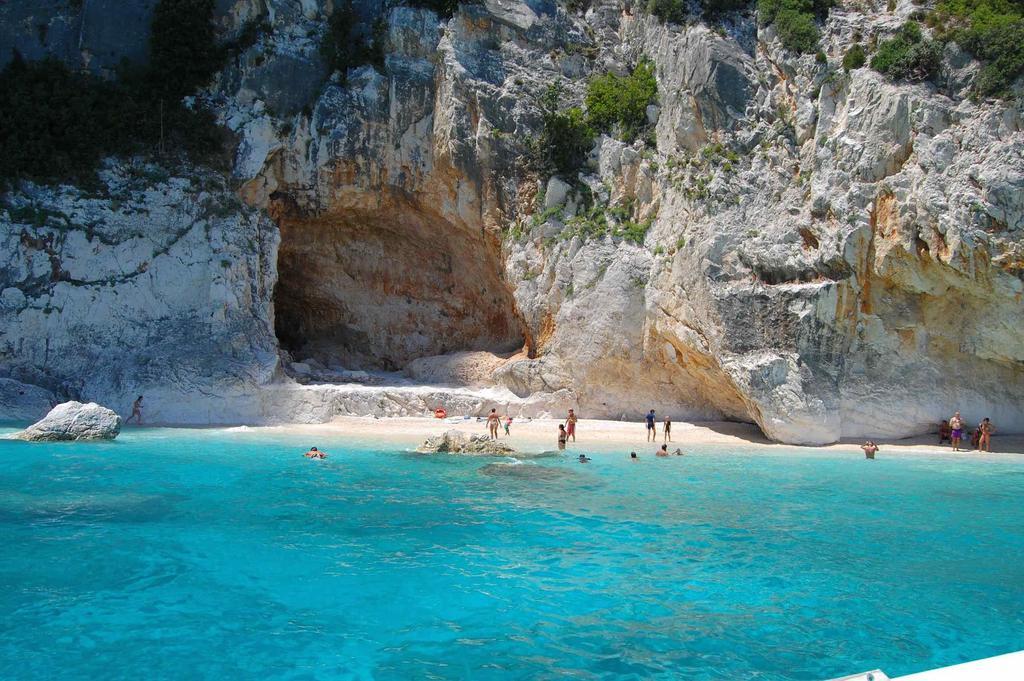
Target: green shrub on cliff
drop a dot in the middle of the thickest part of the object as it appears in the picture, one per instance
(345, 44)
(908, 55)
(53, 124)
(795, 21)
(56, 124)
(565, 138)
(443, 8)
(183, 53)
(675, 11)
(992, 31)
(854, 57)
(619, 104)
(668, 11)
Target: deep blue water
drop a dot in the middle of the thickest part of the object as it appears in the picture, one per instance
(212, 554)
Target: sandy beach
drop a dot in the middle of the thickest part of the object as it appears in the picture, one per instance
(621, 436)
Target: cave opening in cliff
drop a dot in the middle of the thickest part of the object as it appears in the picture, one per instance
(378, 289)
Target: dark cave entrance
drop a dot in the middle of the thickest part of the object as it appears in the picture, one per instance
(376, 291)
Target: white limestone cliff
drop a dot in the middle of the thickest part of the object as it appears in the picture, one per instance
(829, 254)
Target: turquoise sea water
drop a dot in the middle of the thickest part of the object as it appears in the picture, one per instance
(221, 555)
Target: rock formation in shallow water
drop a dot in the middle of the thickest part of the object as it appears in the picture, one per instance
(74, 421)
(457, 442)
(823, 252)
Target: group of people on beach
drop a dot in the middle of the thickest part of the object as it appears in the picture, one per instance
(954, 431)
(494, 421)
(652, 429)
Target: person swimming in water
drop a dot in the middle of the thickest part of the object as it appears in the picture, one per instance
(315, 453)
(633, 456)
(663, 451)
(870, 448)
(584, 458)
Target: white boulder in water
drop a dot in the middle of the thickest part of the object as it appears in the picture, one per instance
(74, 421)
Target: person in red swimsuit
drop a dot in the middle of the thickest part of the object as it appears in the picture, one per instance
(570, 425)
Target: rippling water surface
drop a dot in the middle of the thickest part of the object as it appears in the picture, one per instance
(212, 554)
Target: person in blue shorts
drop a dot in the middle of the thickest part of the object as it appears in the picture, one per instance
(652, 434)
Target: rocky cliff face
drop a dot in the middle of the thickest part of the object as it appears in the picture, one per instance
(827, 254)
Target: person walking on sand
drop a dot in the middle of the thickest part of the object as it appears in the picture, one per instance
(956, 431)
(570, 425)
(508, 424)
(652, 434)
(668, 429)
(985, 441)
(561, 436)
(869, 448)
(136, 412)
(492, 423)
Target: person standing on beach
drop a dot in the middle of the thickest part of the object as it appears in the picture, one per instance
(508, 424)
(668, 429)
(570, 425)
(561, 436)
(985, 441)
(492, 423)
(956, 431)
(652, 434)
(136, 412)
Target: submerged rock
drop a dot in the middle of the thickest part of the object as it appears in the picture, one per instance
(457, 442)
(524, 471)
(74, 421)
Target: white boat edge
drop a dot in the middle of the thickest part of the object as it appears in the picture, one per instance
(1008, 667)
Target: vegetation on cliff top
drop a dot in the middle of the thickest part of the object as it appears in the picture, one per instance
(619, 103)
(675, 11)
(565, 138)
(992, 31)
(795, 21)
(908, 55)
(615, 105)
(346, 45)
(443, 8)
(56, 124)
(855, 57)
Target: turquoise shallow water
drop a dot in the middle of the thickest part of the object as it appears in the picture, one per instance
(213, 554)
